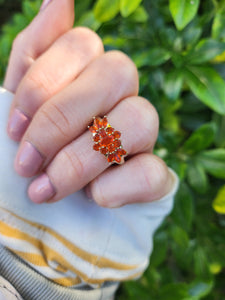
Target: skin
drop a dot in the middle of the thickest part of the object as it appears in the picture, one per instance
(61, 78)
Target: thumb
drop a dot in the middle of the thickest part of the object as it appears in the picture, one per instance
(54, 19)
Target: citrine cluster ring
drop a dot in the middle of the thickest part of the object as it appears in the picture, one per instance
(107, 140)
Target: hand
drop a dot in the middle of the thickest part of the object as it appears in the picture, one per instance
(61, 78)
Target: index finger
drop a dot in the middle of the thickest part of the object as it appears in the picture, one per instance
(37, 37)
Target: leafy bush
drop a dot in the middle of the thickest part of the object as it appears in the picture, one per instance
(179, 48)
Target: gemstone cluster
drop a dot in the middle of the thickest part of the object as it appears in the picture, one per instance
(107, 140)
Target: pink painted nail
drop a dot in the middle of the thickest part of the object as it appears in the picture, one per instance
(17, 125)
(28, 160)
(45, 3)
(41, 189)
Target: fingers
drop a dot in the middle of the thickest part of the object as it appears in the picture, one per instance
(78, 163)
(66, 116)
(143, 178)
(51, 72)
(37, 37)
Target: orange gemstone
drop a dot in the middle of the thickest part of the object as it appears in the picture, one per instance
(121, 152)
(117, 143)
(96, 147)
(106, 141)
(110, 158)
(111, 148)
(117, 134)
(109, 130)
(104, 122)
(102, 133)
(93, 128)
(117, 158)
(98, 123)
(104, 151)
(96, 138)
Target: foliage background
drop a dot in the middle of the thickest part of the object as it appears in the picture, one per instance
(179, 48)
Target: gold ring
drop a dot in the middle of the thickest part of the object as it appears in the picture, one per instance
(107, 140)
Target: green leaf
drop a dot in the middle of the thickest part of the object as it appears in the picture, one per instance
(208, 86)
(201, 263)
(191, 34)
(197, 177)
(174, 291)
(200, 289)
(81, 8)
(154, 57)
(139, 16)
(173, 83)
(89, 20)
(30, 9)
(179, 166)
(214, 162)
(106, 10)
(179, 236)
(160, 249)
(183, 208)
(218, 28)
(219, 201)
(135, 290)
(200, 139)
(183, 11)
(127, 7)
(215, 268)
(114, 41)
(205, 50)
(220, 136)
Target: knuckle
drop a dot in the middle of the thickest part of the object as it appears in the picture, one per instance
(21, 49)
(18, 41)
(90, 42)
(41, 81)
(75, 166)
(125, 69)
(54, 118)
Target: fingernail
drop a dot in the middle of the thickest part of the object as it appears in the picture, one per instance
(28, 160)
(41, 189)
(17, 125)
(45, 3)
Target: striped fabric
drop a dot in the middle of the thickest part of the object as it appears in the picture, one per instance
(18, 277)
(38, 245)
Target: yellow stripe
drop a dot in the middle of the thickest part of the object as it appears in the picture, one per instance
(61, 269)
(51, 254)
(38, 260)
(95, 260)
(67, 282)
(34, 259)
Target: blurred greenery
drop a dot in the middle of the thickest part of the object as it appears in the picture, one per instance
(179, 48)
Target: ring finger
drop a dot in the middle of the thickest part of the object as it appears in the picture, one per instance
(78, 164)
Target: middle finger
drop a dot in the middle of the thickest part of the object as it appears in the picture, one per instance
(105, 82)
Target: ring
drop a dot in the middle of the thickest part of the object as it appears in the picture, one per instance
(107, 140)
